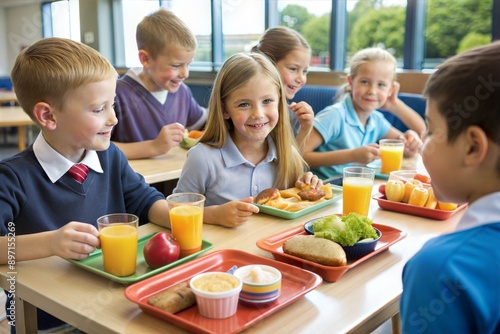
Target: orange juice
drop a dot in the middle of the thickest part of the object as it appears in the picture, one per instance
(356, 193)
(186, 222)
(391, 156)
(119, 249)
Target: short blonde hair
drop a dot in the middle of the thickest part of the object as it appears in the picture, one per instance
(51, 67)
(371, 55)
(162, 29)
(236, 71)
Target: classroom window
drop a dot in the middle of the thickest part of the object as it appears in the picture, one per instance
(133, 13)
(64, 19)
(453, 26)
(442, 28)
(242, 25)
(311, 18)
(372, 23)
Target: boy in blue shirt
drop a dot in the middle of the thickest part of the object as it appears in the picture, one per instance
(68, 89)
(452, 285)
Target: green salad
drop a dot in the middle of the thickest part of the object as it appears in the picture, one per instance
(345, 230)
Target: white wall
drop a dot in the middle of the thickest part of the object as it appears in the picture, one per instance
(23, 28)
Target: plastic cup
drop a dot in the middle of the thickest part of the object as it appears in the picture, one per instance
(357, 189)
(118, 234)
(186, 220)
(391, 154)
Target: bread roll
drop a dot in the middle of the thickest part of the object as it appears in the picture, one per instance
(266, 195)
(174, 299)
(319, 250)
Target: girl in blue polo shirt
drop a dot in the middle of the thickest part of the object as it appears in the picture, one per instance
(248, 144)
(348, 131)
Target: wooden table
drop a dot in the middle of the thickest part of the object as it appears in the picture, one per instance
(15, 116)
(360, 301)
(7, 96)
(162, 168)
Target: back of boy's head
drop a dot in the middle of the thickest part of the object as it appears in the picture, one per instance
(51, 67)
(278, 42)
(371, 55)
(236, 71)
(162, 29)
(466, 90)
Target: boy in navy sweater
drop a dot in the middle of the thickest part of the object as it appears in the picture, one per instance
(68, 89)
(452, 285)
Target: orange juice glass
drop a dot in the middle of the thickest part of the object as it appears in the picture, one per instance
(391, 154)
(118, 235)
(186, 220)
(357, 189)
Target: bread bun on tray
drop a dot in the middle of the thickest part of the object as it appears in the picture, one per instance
(319, 250)
(266, 195)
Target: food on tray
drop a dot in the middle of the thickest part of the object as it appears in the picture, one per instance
(418, 196)
(345, 230)
(161, 250)
(315, 249)
(394, 190)
(311, 194)
(257, 275)
(216, 282)
(293, 199)
(447, 206)
(414, 192)
(266, 195)
(174, 299)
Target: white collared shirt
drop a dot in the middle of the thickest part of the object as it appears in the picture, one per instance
(483, 211)
(161, 96)
(55, 165)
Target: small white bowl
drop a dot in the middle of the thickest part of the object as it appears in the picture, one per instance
(261, 283)
(216, 294)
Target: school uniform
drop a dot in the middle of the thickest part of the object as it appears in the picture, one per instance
(38, 195)
(224, 175)
(141, 114)
(340, 128)
(452, 285)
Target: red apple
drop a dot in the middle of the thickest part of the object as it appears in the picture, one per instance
(161, 250)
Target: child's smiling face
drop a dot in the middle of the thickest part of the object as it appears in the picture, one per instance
(293, 70)
(85, 120)
(372, 85)
(253, 109)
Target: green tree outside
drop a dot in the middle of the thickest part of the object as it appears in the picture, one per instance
(451, 26)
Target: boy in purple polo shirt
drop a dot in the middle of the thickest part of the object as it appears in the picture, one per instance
(153, 105)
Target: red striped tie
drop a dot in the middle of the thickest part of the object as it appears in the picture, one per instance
(79, 172)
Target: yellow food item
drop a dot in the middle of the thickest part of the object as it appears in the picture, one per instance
(446, 206)
(418, 196)
(409, 186)
(328, 191)
(216, 282)
(431, 200)
(394, 190)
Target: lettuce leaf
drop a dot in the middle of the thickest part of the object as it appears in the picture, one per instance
(345, 230)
